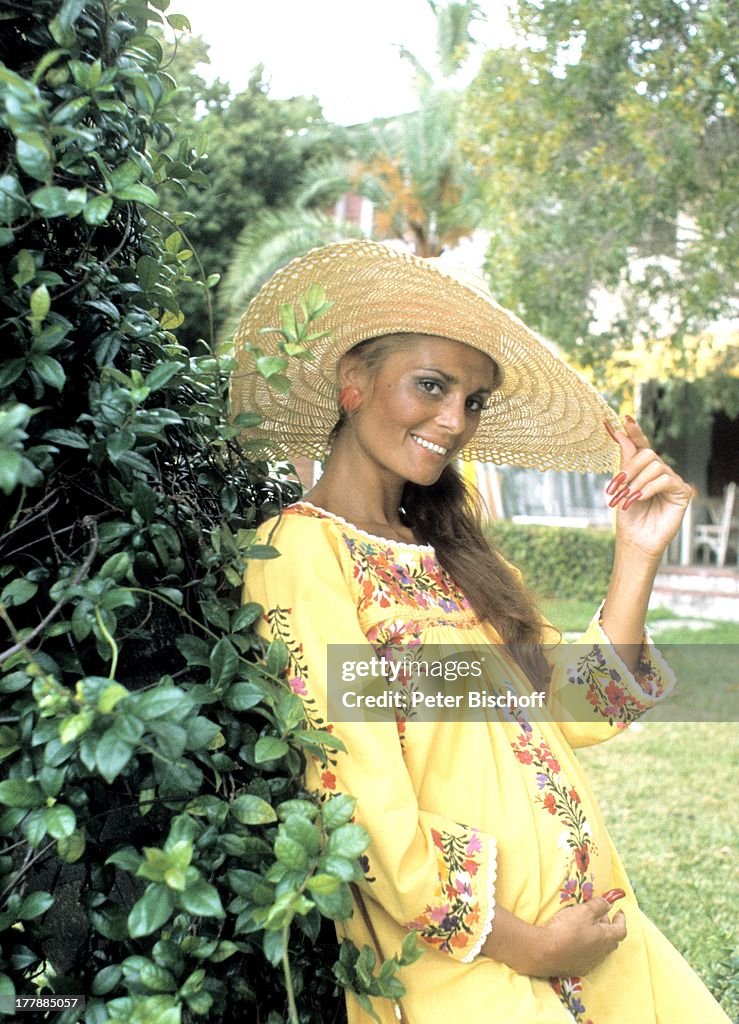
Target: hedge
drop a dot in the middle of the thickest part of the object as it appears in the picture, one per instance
(557, 561)
(159, 855)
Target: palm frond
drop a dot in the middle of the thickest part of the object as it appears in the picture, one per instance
(265, 245)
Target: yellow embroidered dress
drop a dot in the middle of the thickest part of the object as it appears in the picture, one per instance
(464, 815)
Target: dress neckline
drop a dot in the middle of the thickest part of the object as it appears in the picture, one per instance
(370, 536)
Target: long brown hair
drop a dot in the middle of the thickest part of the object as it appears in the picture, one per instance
(448, 515)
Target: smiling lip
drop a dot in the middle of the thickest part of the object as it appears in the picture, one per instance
(429, 446)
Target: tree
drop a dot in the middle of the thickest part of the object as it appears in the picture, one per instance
(410, 166)
(252, 152)
(158, 852)
(608, 141)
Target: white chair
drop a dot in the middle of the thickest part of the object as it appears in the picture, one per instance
(715, 536)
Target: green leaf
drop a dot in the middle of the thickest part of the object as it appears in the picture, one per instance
(202, 899)
(97, 209)
(11, 465)
(291, 852)
(127, 858)
(106, 980)
(18, 793)
(272, 946)
(35, 905)
(26, 268)
(340, 867)
(303, 831)
(337, 811)
(323, 885)
(116, 566)
(150, 912)
(336, 905)
(61, 821)
(268, 366)
(137, 193)
(269, 748)
(223, 663)
(47, 61)
(34, 155)
(70, 110)
(162, 374)
(178, 22)
(55, 201)
(161, 701)
(13, 202)
(112, 755)
(148, 271)
(68, 14)
(289, 326)
(50, 370)
(242, 696)
(278, 657)
(17, 592)
(348, 841)
(70, 438)
(10, 371)
(252, 810)
(40, 303)
(171, 321)
(246, 615)
(71, 848)
(261, 551)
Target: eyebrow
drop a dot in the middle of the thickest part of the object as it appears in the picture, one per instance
(451, 379)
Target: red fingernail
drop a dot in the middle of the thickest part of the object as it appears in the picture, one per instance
(621, 494)
(631, 499)
(629, 419)
(615, 483)
(612, 895)
(610, 430)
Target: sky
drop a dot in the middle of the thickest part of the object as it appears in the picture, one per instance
(345, 52)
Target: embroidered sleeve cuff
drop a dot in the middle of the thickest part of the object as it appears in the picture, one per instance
(487, 923)
(459, 920)
(614, 692)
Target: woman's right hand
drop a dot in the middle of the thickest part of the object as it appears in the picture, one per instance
(570, 944)
(578, 937)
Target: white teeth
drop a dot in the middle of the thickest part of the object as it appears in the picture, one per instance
(430, 445)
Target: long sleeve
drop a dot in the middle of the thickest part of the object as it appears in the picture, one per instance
(594, 694)
(427, 871)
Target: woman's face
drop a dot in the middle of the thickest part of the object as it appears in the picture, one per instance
(419, 407)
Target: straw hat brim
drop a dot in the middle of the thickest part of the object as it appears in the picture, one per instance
(543, 415)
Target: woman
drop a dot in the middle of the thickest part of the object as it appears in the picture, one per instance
(485, 836)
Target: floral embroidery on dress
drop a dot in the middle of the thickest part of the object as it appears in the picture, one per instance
(384, 578)
(606, 690)
(557, 797)
(278, 619)
(449, 923)
(568, 990)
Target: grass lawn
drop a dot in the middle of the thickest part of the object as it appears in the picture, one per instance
(573, 616)
(668, 794)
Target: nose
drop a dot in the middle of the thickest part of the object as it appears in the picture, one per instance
(452, 416)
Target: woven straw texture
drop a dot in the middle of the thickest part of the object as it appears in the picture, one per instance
(544, 415)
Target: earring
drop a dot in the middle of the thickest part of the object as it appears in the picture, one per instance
(350, 399)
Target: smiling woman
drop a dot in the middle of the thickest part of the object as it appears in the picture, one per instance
(485, 837)
(412, 392)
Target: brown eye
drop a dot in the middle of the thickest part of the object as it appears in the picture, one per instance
(476, 404)
(430, 386)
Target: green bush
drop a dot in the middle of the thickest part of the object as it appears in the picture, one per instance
(557, 561)
(159, 856)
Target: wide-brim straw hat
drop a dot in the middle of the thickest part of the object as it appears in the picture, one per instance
(543, 414)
